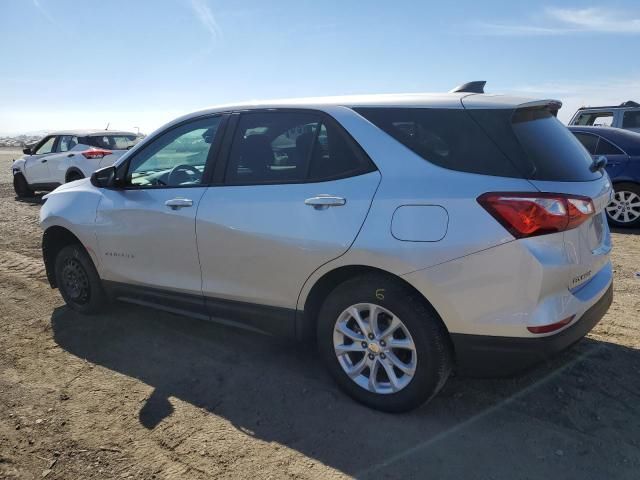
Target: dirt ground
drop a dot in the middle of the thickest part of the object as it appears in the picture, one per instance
(135, 393)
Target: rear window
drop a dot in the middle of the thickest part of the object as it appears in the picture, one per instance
(522, 143)
(553, 151)
(111, 142)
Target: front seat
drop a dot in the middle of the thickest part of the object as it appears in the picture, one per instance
(257, 156)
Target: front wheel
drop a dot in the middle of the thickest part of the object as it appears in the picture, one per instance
(78, 280)
(624, 209)
(21, 186)
(383, 344)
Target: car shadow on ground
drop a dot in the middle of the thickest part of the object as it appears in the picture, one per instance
(575, 417)
(34, 200)
(626, 231)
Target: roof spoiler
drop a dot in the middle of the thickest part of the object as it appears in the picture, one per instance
(476, 86)
(552, 105)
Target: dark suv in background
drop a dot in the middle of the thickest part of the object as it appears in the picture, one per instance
(622, 150)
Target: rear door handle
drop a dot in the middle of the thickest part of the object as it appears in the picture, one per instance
(71, 155)
(176, 203)
(44, 160)
(322, 202)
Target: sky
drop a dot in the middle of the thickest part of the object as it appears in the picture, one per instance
(139, 64)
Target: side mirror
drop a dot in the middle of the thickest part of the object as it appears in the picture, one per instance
(599, 163)
(27, 151)
(104, 178)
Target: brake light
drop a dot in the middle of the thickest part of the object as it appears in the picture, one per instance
(530, 214)
(96, 153)
(551, 327)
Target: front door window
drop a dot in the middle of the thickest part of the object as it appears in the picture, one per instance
(175, 159)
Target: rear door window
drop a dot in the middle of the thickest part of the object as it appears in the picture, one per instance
(607, 148)
(66, 143)
(588, 141)
(288, 147)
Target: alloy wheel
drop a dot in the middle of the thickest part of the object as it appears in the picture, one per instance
(374, 348)
(76, 281)
(625, 207)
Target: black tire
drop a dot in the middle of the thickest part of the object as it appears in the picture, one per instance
(21, 186)
(633, 188)
(73, 176)
(431, 339)
(78, 280)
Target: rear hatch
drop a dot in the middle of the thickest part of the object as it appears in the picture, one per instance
(553, 161)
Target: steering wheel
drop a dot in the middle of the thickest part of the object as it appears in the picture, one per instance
(183, 173)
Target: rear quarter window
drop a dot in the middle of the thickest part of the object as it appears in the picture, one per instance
(526, 143)
(449, 138)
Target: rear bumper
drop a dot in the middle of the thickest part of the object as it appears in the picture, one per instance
(482, 355)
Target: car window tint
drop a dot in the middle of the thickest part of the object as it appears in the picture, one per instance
(554, 152)
(66, 143)
(110, 142)
(588, 141)
(176, 158)
(333, 156)
(449, 138)
(46, 147)
(281, 147)
(607, 148)
(602, 119)
(631, 119)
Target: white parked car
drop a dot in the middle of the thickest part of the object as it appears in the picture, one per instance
(63, 157)
(408, 235)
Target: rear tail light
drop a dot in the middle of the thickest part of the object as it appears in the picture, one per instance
(531, 214)
(96, 153)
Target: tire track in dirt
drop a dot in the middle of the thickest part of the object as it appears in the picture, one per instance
(30, 268)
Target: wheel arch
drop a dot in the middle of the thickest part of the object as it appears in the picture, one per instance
(323, 286)
(54, 239)
(72, 170)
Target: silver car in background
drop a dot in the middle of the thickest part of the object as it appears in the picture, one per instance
(408, 235)
(625, 116)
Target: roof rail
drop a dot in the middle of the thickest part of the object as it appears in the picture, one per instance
(628, 103)
(476, 86)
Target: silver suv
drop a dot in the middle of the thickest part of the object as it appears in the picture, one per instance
(626, 115)
(408, 235)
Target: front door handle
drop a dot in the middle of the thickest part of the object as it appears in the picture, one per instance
(322, 202)
(176, 203)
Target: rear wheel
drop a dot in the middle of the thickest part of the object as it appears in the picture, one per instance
(21, 186)
(383, 344)
(78, 280)
(624, 209)
(73, 176)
